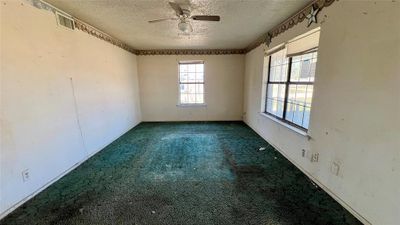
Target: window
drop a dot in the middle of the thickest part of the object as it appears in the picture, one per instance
(290, 86)
(191, 82)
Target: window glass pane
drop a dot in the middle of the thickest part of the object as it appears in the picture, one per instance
(278, 67)
(183, 68)
(191, 98)
(200, 77)
(300, 94)
(299, 104)
(200, 68)
(192, 68)
(191, 79)
(284, 72)
(312, 69)
(183, 88)
(295, 71)
(276, 91)
(290, 107)
(281, 92)
(268, 106)
(298, 114)
(303, 67)
(275, 99)
(278, 74)
(305, 70)
(199, 98)
(306, 117)
(280, 105)
(183, 78)
(191, 88)
(292, 93)
(272, 73)
(289, 112)
(275, 107)
(184, 98)
(309, 95)
(273, 60)
(199, 88)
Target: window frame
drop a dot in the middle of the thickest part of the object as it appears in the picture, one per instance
(287, 83)
(191, 62)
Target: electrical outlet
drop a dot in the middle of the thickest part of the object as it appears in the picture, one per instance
(25, 175)
(335, 167)
(303, 153)
(314, 157)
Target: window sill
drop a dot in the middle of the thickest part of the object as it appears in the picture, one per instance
(297, 130)
(191, 105)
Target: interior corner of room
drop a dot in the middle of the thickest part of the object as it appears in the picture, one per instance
(311, 83)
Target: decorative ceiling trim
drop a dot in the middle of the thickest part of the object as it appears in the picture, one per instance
(290, 22)
(80, 25)
(266, 38)
(191, 52)
(91, 30)
(262, 39)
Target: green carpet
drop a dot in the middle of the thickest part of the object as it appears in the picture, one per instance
(184, 173)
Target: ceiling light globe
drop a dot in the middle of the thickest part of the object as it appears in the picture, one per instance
(185, 27)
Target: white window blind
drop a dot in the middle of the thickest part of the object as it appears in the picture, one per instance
(303, 44)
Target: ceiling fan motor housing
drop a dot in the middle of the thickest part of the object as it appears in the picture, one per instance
(183, 14)
(186, 11)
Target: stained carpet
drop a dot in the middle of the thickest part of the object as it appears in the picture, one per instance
(184, 173)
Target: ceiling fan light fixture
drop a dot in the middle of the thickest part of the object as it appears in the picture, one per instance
(184, 16)
(185, 27)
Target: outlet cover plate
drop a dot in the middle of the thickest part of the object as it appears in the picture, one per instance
(335, 167)
(25, 175)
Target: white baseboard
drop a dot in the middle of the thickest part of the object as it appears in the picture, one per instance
(316, 181)
(33, 194)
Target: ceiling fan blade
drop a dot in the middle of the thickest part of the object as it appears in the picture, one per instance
(205, 18)
(177, 8)
(160, 20)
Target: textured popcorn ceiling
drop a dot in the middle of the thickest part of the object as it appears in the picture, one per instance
(242, 21)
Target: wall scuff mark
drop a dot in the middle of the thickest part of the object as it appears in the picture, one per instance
(77, 115)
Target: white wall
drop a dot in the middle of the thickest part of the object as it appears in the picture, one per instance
(64, 96)
(355, 111)
(159, 93)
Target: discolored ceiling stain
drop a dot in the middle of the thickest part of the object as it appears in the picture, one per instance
(242, 21)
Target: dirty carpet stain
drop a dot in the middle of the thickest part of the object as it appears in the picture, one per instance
(184, 173)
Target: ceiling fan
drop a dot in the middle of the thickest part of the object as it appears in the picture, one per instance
(184, 17)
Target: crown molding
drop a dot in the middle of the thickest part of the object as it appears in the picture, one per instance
(293, 20)
(91, 30)
(82, 26)
(266, 38)
(191, 52)
(262, 39)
